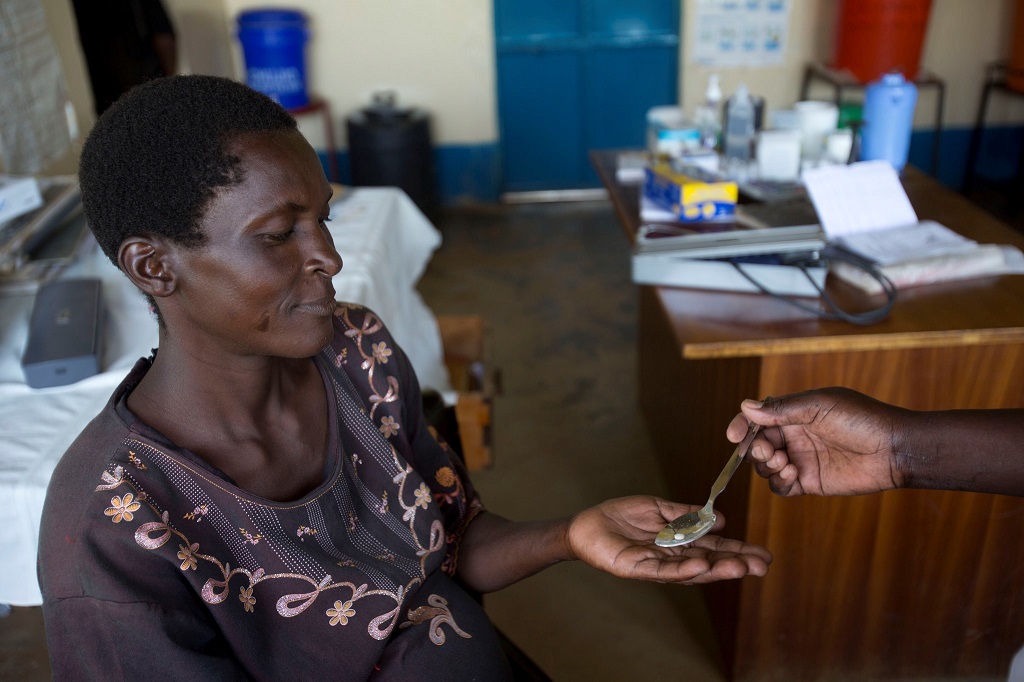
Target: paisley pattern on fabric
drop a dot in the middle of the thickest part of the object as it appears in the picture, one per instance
(391, 512)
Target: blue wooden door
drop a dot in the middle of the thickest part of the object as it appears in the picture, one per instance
(575, 75)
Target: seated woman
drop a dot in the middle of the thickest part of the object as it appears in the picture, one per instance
(262, 498)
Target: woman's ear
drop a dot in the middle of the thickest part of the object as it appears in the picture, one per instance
(149, 265)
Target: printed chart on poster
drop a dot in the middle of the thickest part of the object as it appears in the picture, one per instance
(740, 32)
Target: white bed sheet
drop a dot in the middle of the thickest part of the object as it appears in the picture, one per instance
(385, 243)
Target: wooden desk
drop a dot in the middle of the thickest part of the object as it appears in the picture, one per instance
(899, 584)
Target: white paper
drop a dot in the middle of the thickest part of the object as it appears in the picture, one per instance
(927, 239)
(860, 197)
(652, 213)
(985, 260)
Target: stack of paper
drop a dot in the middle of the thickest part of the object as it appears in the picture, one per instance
(864, 209)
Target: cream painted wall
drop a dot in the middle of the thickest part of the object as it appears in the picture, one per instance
(779, 85)
(64, 29)
(434, 54)
(963, 36)
(204, 42)
(439, 55)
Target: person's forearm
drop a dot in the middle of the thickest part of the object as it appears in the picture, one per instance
(496, 552)
(979, 450)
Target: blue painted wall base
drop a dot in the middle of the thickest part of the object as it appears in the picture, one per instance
(469, 173)
(997, 154)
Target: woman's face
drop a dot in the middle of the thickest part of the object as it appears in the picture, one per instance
(261, 283)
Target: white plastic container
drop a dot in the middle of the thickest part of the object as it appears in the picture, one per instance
(669, 133)
(778, 155)
(817, 119)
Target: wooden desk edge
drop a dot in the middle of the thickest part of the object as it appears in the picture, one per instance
(603, 163)
(847, 343)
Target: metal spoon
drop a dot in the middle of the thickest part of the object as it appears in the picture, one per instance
(693, 525)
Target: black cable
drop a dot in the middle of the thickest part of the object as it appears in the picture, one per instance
(832, 310)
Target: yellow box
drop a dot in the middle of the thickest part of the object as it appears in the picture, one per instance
(689, 198)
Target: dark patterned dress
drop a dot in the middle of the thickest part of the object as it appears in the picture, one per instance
(154, 565)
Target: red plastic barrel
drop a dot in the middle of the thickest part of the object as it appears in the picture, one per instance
(874, 37)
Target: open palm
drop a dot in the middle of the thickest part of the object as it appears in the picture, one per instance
(617, 536)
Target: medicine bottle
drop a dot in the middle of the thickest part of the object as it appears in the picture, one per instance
(739, 125)
(708, 116)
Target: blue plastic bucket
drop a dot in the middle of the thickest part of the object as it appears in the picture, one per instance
(274, 42)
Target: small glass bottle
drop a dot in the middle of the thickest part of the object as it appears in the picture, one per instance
(707, 115)
(739, 125)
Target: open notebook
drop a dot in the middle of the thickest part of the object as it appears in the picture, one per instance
(865, 210)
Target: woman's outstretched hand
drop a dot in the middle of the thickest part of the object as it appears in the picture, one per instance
(617, 536)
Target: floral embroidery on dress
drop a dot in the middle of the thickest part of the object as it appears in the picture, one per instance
(438, 614)
(153, 535)
(423, 496)
(390, 396)
(388, 426)
(341, 612)
(187, 556)
(379, 390)
(197, 514)
(245, 596)
(251, 538)
(122, 508)
(381, 352)
(111, 480)
(445, 476)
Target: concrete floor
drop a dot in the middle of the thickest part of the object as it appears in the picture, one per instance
(553, 284)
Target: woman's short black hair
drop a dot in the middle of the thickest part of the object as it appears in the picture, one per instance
(156, 157)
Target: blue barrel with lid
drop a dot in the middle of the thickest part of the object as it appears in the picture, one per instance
(274, 46)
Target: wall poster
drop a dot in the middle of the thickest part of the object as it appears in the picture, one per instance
(740, 32)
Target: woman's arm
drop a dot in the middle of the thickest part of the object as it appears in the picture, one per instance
(616, 536)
